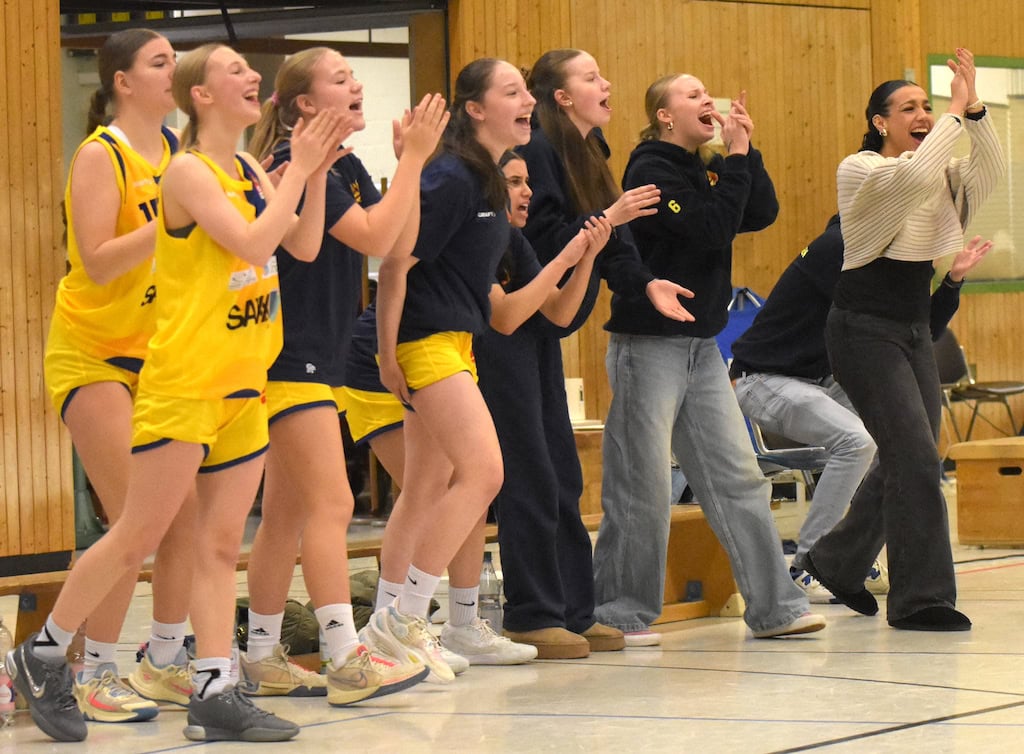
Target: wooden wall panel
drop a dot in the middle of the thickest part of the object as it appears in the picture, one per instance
(37, 509)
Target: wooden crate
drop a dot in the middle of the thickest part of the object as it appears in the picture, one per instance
(990, 491)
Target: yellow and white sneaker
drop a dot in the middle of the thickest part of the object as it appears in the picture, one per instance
(278, 676)
(395, 676)
(877, 581)
(105, 698)
(354, 681)
(169, 683)
(407, 637)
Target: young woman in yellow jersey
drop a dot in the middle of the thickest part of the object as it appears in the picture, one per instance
(306, 493)
(199, 415)
(103, 317)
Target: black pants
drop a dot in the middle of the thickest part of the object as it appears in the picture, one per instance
(545, 548)
(888, 370)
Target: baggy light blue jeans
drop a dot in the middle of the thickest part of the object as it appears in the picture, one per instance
(819, 413)
(673, 394)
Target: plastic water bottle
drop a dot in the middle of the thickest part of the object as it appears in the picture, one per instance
(490, 594)
(6, 686)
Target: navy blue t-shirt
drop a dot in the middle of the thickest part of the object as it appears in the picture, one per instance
(320, 299)
(461, 240)
(361, 369)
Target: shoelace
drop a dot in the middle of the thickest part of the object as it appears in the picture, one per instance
(110, 681)
(234, 696)
(60, 676)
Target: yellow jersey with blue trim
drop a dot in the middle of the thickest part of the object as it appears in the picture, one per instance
(115, 320)
(218, 317)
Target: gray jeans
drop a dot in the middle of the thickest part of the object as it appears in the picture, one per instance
(818, 413)
(672, 394)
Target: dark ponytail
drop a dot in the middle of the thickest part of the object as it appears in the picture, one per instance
(460, 135)
(117, 54)
(879, 105)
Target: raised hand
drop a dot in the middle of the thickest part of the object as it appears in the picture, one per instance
(419, 131)
(637, 202)
(962, 88)
(598, 231)
(314, 144)
(968, 258)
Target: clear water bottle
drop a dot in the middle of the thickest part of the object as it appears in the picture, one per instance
(6, 686)
(490, 594)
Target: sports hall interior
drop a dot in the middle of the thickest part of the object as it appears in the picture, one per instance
(808, 67)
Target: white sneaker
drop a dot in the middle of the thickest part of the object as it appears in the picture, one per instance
(816, 593)
(456, 662)
(407, 636)
(480, 645)
(804, 624)
(877, 581)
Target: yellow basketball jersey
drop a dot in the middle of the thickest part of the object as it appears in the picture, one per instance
(116, 319)
(218, 317)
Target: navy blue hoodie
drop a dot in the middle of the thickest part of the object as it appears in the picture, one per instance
(689, 240)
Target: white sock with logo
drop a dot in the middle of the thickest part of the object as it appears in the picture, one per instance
(339, 631)
(462, 605)
(264, 635)
(96, 653)
(52, 642)
(165, 642)
(387, 593)
(210, 675)
(419, 587)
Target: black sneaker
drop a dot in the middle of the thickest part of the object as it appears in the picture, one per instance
(231, 716)
(49, 690)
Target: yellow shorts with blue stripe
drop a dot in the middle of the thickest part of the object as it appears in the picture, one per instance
(231, 430)
(284, 398)
(436, 357)
(370, 414)
(66, 368)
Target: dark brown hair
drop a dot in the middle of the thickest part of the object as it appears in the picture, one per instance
(117, 54)
(591, 186)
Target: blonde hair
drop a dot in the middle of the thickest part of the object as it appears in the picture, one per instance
(655, 99)
(280, 113)
(191, 71)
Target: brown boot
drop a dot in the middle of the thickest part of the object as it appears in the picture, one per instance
(552, 643)
(604, 638)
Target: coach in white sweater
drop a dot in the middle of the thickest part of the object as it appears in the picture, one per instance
(903, 201)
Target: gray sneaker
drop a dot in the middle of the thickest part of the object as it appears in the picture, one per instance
(49, 690)
(231, 716)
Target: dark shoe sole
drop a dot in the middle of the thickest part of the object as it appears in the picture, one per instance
(862, 602)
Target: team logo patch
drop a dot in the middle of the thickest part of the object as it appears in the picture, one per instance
(712, 177)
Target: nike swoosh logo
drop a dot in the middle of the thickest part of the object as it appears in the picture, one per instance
(165, 638)
(358, 683)
(413, 581)
(465, 604)
(93, 654)
(37, 690)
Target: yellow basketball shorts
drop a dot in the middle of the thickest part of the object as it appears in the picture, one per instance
(231, 430)
(284, 398)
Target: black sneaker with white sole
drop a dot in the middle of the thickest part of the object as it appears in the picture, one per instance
(231, 716)
(48, 688)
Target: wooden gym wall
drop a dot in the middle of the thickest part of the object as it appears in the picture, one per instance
(36, 510)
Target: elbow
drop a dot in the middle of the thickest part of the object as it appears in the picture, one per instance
(99, 274)
(503, 326)
(303, 252)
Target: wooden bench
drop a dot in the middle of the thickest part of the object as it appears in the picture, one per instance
(694, 557)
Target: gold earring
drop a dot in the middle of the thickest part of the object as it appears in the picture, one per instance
(671, 125)
(568, 103)
(882, 132)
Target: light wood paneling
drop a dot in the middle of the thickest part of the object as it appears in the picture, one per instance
(37, 514)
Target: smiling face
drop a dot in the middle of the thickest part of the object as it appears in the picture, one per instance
(909, 120)
(688, 107)
(519, 192)
(585, 96)
(148, 81)
(502, 116)
(334, 85)
(232, 86)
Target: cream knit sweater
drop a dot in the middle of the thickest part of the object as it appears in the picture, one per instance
(915, 207)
